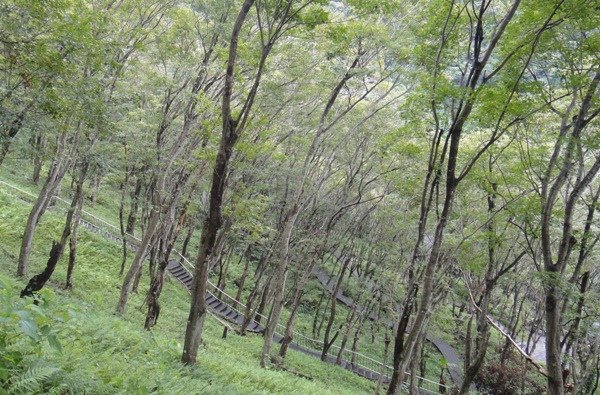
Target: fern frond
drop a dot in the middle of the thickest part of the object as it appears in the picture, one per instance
(32, 379)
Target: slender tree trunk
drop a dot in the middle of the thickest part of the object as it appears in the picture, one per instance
(242, 280)
(289, 326)
(298, 292)
(515, 317)
(414, 365)
(122, 220)
(95, 187)
(382, 374)
(553, 363)
(38, 145)
(154, 292)
(78, 199)
(249, 312)
(134, 207)
(265, 296)
(474, 362)
(571, 338)
(316, 317)
(188, 237)
(138, 275)
(280, 277)
(327, 342)
(37, 282)
(345, 337)
(138, 260)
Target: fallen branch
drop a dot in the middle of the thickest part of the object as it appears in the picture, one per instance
(527, 357)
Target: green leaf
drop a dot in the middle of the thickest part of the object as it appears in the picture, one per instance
(29, 328)
(54, 343)
(3, 375)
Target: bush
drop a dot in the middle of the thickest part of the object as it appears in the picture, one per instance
(506, 379)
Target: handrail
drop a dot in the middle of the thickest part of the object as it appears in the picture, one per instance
(354, 356)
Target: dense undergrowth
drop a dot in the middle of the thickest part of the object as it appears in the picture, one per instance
(72, 343)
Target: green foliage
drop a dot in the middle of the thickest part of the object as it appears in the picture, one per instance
(313, 16)
(31, 380)
(375, 6)
(20, 320)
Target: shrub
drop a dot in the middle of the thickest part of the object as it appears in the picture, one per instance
(506, 379)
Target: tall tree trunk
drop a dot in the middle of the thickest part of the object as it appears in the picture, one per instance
(279, 278)
(345, 336)
(188, 237)
(474, 362)
(414, 365)
(297, 299)
(249, 311)
(155, 289)
(386, 348)
(78, 198)
(122, 230)
(316, 315)
(553, 333)
(212, 223)
(95, 186)
(264, 299)
(38, 145)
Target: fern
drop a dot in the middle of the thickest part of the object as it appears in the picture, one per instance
(32, 379)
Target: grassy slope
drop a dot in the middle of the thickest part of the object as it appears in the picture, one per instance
(18, 172)
(106, 354)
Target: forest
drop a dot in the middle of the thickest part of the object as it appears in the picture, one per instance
(299, 196)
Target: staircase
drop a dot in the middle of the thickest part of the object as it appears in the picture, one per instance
(217, 306)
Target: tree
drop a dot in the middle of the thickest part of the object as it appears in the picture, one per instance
(229, 135)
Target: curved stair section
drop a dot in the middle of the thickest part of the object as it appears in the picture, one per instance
(447, 351)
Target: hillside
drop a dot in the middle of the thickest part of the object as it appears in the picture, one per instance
(103, 354)
(310, 196)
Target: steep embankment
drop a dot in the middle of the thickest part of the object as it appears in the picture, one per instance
(105, 354)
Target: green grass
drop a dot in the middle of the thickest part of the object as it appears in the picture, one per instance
(104, 354)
